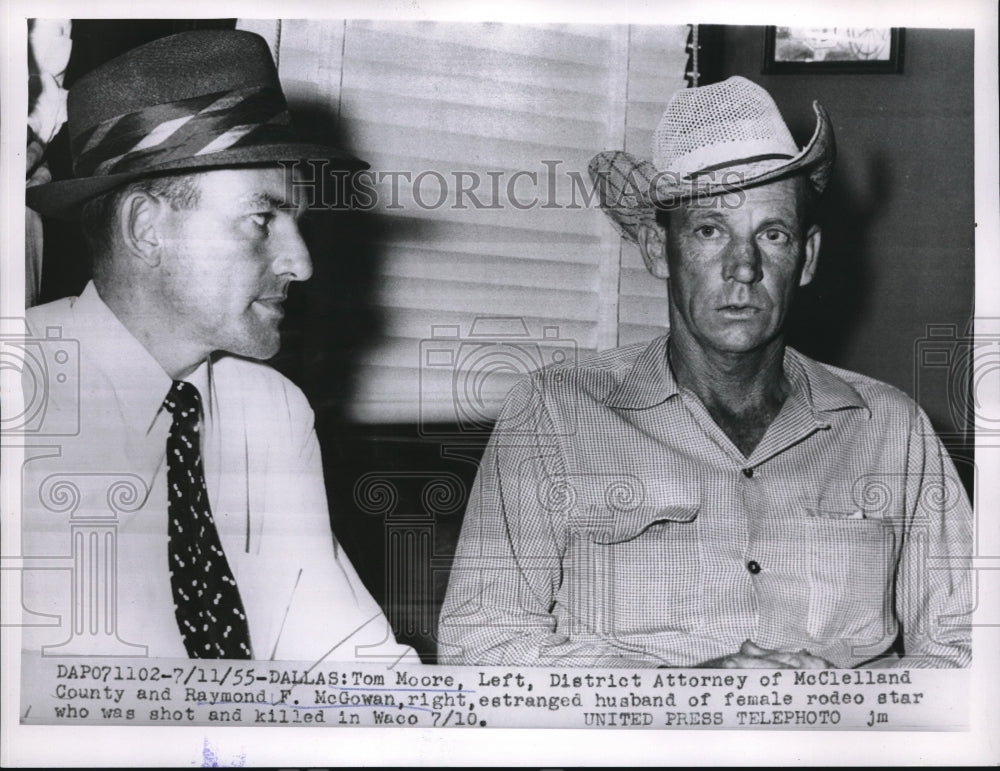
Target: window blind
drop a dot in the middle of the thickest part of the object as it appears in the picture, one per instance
(656, 70)
(496, 261)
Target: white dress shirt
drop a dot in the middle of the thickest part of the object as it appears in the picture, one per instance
(95, 514)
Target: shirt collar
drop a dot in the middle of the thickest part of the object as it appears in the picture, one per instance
(139, 383)
(650, 382)
(824, 390)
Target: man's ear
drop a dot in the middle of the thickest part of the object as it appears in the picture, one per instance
(139, 226)
(813, 239)
(652, 240)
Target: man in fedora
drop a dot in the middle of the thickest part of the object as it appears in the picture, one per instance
(176, 488)
(714, 498)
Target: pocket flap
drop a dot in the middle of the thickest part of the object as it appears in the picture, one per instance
(609, 526)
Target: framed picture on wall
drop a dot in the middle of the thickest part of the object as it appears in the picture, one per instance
(833, 49)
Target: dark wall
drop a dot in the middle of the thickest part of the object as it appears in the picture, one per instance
(397, 497)
(897, 252)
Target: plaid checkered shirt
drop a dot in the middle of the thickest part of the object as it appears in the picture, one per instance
(613, 523)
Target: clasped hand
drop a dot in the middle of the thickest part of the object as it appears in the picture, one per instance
(752, 656)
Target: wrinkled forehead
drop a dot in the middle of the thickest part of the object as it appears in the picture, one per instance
(786, 198)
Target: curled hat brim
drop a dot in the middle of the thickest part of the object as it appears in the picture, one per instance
(631, 190)
(63, 199)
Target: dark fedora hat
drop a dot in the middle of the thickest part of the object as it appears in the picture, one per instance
(191, 101)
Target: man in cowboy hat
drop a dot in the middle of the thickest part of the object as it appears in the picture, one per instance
(182, 491)
(714, 498)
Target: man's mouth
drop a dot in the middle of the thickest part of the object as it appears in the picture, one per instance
(271, 305)
(739, 310)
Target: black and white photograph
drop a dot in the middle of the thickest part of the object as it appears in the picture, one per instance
(377, 371)
(833, 49)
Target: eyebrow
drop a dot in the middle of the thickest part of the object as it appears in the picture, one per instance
(791, 221)
(262, 200)
(701, 214)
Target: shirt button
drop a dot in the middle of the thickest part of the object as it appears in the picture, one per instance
(753, 566)
(748, 473)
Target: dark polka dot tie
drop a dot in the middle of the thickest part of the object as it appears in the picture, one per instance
(207, 602)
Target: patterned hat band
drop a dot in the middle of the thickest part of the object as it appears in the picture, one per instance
(186, 103)
(190, 128)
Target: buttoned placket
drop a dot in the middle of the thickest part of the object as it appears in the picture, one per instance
(795, 422)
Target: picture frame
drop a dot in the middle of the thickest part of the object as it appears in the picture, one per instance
(847, 50)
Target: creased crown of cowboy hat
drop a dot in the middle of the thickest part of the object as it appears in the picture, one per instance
(192, 101)
(712, 139)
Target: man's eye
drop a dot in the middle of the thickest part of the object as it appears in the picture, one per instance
(707, 231)
(774, 236)
(262, 219)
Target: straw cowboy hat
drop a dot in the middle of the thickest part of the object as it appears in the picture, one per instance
(713, 139)
(191, 101)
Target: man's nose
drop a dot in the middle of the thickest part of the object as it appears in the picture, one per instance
(742, 262)
(292, 255)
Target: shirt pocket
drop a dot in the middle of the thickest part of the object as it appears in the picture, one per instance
(639, 571)
(851, 567)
